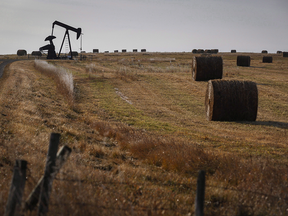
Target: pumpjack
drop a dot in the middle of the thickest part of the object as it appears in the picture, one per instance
(51, 48)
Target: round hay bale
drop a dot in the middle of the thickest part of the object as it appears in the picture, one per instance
(243, 61)
(267, 59)
(233, 51)
(206, 68)
(207, 51)
(106, 52)
(135, 50)
(194, 51)
(36, 53)
(285, 54)
(264, 51)
(95, 50)
(115, 51)
(200, 51)
(124, 50)
(214, 51)
(231, 100)
(143, 50)
(74, 53)
(279, 52)
(21, 52)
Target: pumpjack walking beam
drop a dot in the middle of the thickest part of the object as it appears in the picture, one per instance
(67, 27)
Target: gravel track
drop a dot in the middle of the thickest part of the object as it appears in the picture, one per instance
(4, 63)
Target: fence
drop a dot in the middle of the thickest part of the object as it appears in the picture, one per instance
(41, 193)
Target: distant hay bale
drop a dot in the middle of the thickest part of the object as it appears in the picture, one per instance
(206, 68)
(157, 59)
(285, 54)
(279, 52)
(143, 50)
(21, 52)
(95, 50)
(36, 53)
(264, 51)
(267, 59)
(207, 51)
(135, 50)
(115, 51)
(74, 53)
(194, 51)
(231, 100)
(124, 50)
(106, 52)
(200, 51)
(214, 51)
(243, 61)
(233, 51)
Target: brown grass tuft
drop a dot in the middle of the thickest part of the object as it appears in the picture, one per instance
(62, 77)
(126, 74)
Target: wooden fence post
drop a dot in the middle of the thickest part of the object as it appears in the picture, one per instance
(13, 206)
(61, 158)
(48, 174)
(200, 194)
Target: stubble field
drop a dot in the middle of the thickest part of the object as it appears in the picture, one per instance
(139, 136)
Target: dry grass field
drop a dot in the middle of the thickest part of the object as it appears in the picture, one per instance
(139, 135)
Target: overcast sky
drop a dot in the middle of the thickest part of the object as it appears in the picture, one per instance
(156, 25)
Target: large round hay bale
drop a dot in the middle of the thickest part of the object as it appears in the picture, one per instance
(267, 59)
(95, 50)
(115, 51)
(124, 50)
(206, 68)
(231, 100)
(143, 50)
(264, 51)
(207, 51)
(194, 51)
(214, 51)
(243, 61)
(135, 50)
(233, 51)
(200, 51)
(36, 53)
(285, 54)
(279, 52)
(21, 52)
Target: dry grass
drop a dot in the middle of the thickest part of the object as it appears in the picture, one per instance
(62, 77)
(142, 157)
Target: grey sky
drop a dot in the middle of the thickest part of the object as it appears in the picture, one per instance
(156, 25)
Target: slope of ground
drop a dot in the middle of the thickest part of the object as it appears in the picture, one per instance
(139, 136)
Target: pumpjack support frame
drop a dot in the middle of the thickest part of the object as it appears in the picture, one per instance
(67, 27)
(51, 48)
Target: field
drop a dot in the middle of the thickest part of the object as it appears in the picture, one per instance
(137, 127)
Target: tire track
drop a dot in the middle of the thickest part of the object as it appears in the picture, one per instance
(4, 63)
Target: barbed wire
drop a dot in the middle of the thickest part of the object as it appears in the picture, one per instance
(141, 208)
(137, 209)
(247, 191)
(185, 185)
(130, 202)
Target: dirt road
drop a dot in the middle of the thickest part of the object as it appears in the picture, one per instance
(3, 64)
